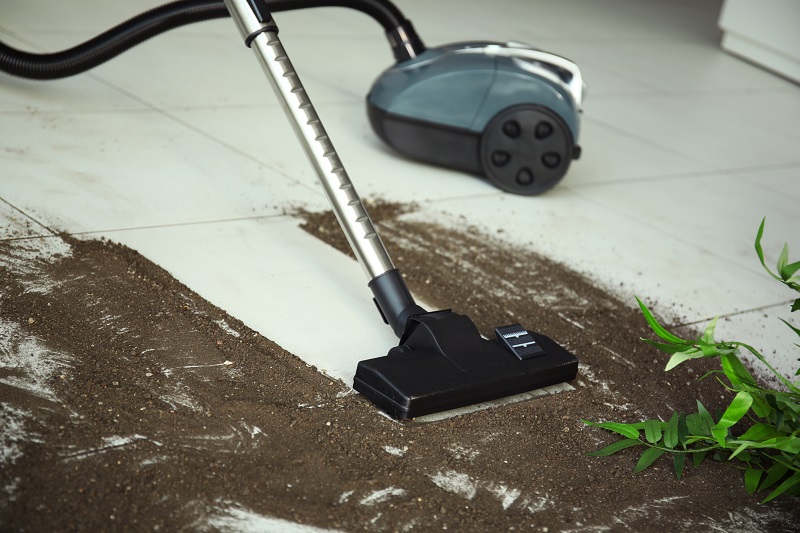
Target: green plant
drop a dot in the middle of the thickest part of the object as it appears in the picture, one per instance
(759, 430)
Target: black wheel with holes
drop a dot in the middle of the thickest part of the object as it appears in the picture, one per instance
(526, 149)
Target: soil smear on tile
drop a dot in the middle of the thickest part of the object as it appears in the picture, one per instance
(130, 403)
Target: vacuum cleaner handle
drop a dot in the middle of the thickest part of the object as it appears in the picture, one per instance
(260, 33)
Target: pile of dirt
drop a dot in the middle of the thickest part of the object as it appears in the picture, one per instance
(130, 403)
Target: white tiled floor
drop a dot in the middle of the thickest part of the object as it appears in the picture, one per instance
(179, 149)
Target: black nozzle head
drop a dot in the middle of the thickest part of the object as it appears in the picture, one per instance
(443, 363)
(393, 300)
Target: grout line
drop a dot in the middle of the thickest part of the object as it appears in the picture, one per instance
(657, 229)
(448, 199)
(27, 42)
(645, 140)
(770, 166)
(29, 217)
(182, 224)
(736, 313)
(644, 179)
(723, 172)
(170, 116)
(659, 92)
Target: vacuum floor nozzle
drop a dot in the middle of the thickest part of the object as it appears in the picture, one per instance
(443, 363)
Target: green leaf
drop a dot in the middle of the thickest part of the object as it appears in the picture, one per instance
(657, 328)
(751, 478)
(671, 432)
(783, 487)
(789, 405)
(647, 458)
(705, 417)
(626, 430)
(796, 330)
(796, 305)
(760, 251)
(696, 426)
(709, 350)
(740, 450)
(616, 447)
(719, 435)
(783, 259)
(652, 431)
(667, 347)
(775, 472)
(779, 415)
(708, 334)
(760, 407)
(683, 431)
(735, 411)
(744, 456)
(789, 270)
(697, 458)
(680, 357)
(785, 444)
(736, 372)
(759, 432)
(678, 460)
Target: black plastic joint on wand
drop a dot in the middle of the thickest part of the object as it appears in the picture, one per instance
(394, 300)
(405, 42)
(260, 10)
(262, 14)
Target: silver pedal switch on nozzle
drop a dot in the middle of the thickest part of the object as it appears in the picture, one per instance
(518, 341)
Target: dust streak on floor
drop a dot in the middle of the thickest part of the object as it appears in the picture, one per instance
(130, 403)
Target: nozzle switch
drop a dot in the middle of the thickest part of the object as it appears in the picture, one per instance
(518, 341)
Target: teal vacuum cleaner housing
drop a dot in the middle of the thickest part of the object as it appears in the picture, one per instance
(504, 110)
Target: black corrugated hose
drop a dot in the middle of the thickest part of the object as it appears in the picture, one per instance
(138, 29)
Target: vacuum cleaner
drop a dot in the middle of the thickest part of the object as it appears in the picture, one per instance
(441, 361)
(503, 110)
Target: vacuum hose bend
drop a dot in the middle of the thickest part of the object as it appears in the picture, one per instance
(109, 44)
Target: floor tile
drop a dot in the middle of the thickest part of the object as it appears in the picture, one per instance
(715, 213)
(621, 253)
(69, 94)
(599, 80)
(776, 111)
(375, 169)
(781, 180)
(184, 69)
(15, 225)
(763, 330)
(610, 154)
(701, 128)
(120, 170)
(673, 66)
(91, 15)
(280, 281)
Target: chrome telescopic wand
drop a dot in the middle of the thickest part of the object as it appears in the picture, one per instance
(260, 33)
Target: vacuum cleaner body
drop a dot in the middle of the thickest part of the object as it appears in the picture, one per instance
(507, 111)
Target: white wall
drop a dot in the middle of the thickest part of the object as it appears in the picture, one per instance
(765, 32)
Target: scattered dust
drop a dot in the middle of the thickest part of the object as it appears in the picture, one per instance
(380, 496)
(398, 452)
(243, 449)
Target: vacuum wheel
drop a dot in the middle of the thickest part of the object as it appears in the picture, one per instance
(526, 149)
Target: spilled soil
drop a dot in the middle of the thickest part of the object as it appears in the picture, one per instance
(130, 403)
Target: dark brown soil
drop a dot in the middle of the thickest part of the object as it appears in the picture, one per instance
(130, 403)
